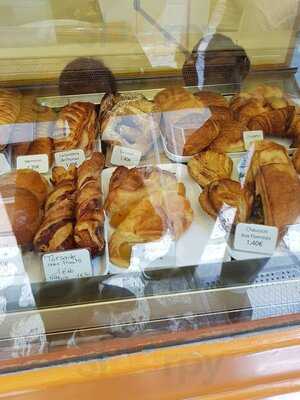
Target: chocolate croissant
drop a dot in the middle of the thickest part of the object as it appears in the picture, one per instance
(56, 231)
(274, 122)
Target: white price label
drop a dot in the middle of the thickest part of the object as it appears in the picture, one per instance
(4, 164)
(252, 136)
(37, 162)
(125, 156)
(67, 265)
(255, 238)
(66, 158)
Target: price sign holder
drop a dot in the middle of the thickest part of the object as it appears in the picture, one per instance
(125, 156)
(255, 238)
(66, 158)
(36, 162)
(251, 137)
(65, 265)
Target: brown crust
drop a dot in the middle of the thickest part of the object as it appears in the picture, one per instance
(209, 166)
(211, 99)
(274, 122)
(76, 127)
(201, 138)
(230, 138)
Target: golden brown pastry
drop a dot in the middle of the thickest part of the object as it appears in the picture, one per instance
(296, 160)
(176, 98)
(88, 232)
(153, 217)
(230, 139)
(29, 180)
(201, 138)
(10, 105)
(62, 176)
(23, 211)
(90, 170)
(265, 152)
(226, 192)
(56, 230)
(129, 186)
(251, 109)
(281, 207)
(274, 122)
(60, 193)
(211, 99)
(42, 146)
(76, 128)
(221, 114)
(209, 166)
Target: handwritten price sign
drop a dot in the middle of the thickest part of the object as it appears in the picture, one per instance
(125, 156)
(67, 265)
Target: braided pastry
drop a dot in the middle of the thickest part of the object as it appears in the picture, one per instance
(88, 232)
(76, 128)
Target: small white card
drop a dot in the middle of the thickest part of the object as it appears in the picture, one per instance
(66, 158)
(4, 164)
(67, 265)
(252, 136)
(37, 162)
(125, 156)
(256, 238)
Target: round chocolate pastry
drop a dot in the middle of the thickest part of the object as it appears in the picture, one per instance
(20, 213)
(209, 166)
(224, 193)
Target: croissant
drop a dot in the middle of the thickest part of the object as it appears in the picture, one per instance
(221, 114)
(176, 98)
(274, 122)
(201, 138)
(155, 216)
(230, 138)
(210, 99)
(251, 109)
(129, 186)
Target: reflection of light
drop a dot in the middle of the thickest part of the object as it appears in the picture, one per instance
(22, 132)
(146, 253)
(216, 247)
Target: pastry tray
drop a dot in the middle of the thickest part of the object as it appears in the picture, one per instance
(204, 242)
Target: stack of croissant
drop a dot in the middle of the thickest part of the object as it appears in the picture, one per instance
(144, 205)
(73, 213)
(205, 120)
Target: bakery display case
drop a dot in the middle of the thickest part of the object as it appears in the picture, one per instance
(149, 172)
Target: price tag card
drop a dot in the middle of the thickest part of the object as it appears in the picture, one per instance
(37, 162)
(66, 158)
(125, 156)
(255, 238)
(252, 136)
(4, 164)
(67, 265)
